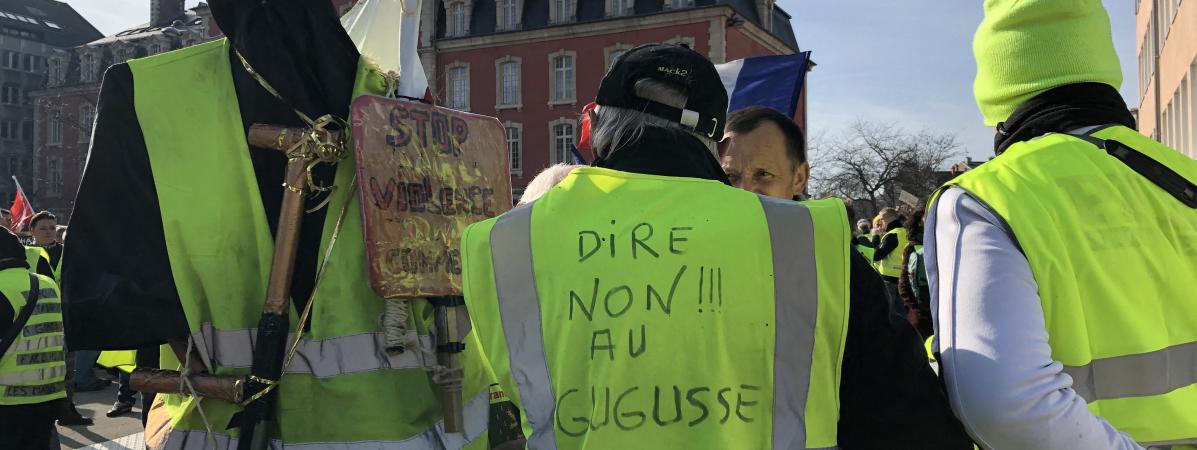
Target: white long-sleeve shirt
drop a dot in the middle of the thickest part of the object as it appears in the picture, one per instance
(999, 373)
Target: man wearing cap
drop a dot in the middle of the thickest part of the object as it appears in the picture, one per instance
(1063, 271)
(645, 303)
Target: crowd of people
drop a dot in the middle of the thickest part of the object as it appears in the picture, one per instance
(1053, 285)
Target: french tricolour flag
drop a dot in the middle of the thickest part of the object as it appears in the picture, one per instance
(771, 81)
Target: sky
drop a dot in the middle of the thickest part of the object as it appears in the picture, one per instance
(907, 62)
(910, 63)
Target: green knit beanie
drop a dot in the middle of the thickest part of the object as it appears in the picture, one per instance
(1026, 47)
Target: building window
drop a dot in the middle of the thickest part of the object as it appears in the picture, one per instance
(31, 63)
(54, 176)
(618, 8)
(610, 54)
(561, 77)
(675, 4)
(88, 66)
(562, 11)
(508, 70)
(10, 94)
(13, 165)
(54, 126)
(457, 19)
(509, 15)
(87, 116)
(56, 70)
(515, 156)
(561, 134)
(9, 130)
(458, 77)
(12, 60)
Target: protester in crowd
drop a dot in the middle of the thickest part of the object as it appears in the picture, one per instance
(912, 285)
(1064, 269)
(6, 219)
(765, 153)
(60, 234)
(657, 208)
(862, 233)
(32, 366)
(544, 181)
(889, 239)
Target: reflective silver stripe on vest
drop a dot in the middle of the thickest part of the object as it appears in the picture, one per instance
(42, 328)
(477, 415)
(1167, 445)
(324, 358)
(1141, 375)
(47, 308)
(34, 391)
(29, 359)
(37, 343)
(796, 304)
(26, 376)
(519, 308)
(43, 293)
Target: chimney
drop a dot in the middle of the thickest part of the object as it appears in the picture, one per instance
(164, 12)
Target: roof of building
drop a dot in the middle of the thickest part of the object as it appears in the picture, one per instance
(188, 20)
(536, 15)
(58, 22)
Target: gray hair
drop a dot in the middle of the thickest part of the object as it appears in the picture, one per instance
(615, 128)
(544, 181)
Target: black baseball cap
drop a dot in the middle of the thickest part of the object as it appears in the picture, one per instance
(706, 103)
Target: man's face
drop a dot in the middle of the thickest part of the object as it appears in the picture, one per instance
(756, 161)
(44, 232)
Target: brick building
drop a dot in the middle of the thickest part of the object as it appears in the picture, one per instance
(65, 110)
(1167, 42)
(30, 30)
(535, 63)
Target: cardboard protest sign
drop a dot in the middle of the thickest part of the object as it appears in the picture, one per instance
(908, 198)
(424, 174)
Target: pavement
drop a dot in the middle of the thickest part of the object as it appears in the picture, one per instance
(115, 433)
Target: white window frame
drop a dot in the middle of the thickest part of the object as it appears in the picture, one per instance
(450, 89)
(54, 176)
(453, 29)
(88, 66)
(568, 16)
(572, 78)
(12, 60)
(87, 118)
(56, 70)
(515, 160)
(54, 125)
(10, 130)
(15, 96)
(573, 139)
(610, 8)
(610, 53)
(518, 101)
(515, 16)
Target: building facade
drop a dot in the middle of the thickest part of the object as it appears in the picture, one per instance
(535, 64)
(1167, 43)
(65, 110)
(30, 32)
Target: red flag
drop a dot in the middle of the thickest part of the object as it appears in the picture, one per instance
(584, 134)
(21, 209)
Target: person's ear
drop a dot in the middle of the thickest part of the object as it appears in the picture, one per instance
(801, 177)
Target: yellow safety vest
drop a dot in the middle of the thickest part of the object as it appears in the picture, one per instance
(891, 265)
(32, 255)
(1115, 259)
(343, 389)
(33, 370)
(621, 313)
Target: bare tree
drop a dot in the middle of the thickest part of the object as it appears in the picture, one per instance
(872, 163)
